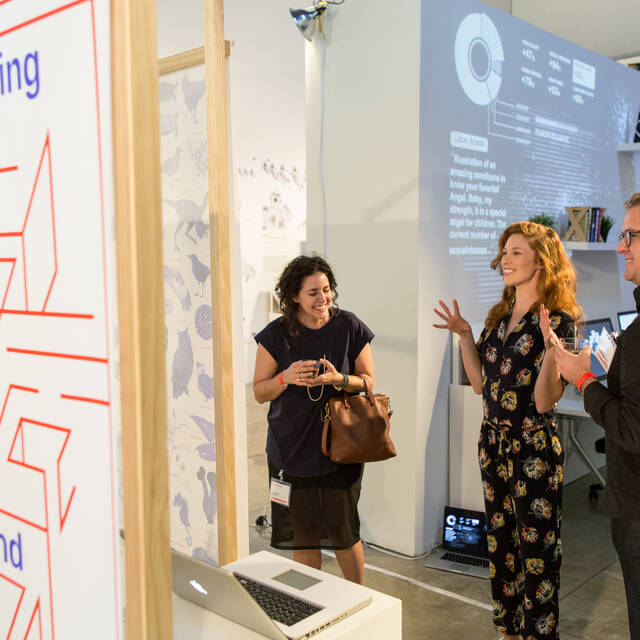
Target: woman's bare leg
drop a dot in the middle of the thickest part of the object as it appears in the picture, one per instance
(310, 557)
(351, 562)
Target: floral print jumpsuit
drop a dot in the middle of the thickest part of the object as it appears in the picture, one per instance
(521, 460)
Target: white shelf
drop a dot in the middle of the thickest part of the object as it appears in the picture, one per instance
(631, 146)
(572, 245)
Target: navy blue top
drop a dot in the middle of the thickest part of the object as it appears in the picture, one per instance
(295, 422)
(510, 370)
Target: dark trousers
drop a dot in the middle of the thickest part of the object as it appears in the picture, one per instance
(522, 482)
(626, 540)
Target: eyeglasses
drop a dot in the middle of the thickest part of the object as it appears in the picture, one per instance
(627, 234)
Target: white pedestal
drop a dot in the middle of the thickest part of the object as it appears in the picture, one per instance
(381, 620)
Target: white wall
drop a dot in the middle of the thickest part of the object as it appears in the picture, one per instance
(370, 149)
(371, 168)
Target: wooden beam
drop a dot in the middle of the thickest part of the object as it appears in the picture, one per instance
(136, 162)
(181, 60)
(217, 137)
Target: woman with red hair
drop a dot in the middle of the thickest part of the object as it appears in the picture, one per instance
(519, 449)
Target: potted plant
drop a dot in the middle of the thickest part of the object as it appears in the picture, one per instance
(543, 219)
(605, 226)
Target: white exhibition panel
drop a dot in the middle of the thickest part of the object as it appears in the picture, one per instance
(59, 399)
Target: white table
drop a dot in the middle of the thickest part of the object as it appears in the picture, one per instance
(570, 411)
(381, 620)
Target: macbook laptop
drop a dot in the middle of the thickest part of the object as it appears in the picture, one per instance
(625, 318)
(591, 330)
(464, 544)
(276, 598)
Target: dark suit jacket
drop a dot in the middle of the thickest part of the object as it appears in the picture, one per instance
(616, 408)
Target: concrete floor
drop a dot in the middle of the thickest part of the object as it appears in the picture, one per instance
(592, 600)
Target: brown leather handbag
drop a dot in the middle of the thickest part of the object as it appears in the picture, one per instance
(356, 428)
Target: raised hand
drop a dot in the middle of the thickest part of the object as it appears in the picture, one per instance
(550, 338)
(330, 375)
(454, 321)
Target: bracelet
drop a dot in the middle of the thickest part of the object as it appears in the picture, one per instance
(548, 344)
(281, 379)
(583, 378)
(345, 383)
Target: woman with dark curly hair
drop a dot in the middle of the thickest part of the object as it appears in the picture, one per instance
(520, 453)
(312, 352)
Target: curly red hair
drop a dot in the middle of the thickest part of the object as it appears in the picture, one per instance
(557, 282)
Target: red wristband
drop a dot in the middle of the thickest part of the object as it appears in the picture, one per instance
(583, 378)
(280, 379)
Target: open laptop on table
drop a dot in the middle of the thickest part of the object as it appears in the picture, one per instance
(277, 599)
(464, 544)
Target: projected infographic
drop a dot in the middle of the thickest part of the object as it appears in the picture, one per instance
(479, 58)
(514, 122)
(58, 406)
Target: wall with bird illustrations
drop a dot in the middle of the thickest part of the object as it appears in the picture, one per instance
(188, 335)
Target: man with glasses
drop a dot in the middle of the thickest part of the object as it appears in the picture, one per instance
(616, 408)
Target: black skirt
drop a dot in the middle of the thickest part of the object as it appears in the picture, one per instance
(322, 511)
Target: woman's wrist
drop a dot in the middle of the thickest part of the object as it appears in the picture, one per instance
(342, 383)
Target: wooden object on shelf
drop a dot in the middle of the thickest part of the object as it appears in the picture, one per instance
(580, 220)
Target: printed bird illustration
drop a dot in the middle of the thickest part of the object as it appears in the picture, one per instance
(169, 124)
(199, 157)
(205, 382)
(172, 163)
(206, 451)
(182, 504)
(190, 214)
(297, 178)
(202, 321)
(199, 553)
(174, 279)
(200, 272)
(275, 215)
(193, 92)
(182, 365)
(209, 493)
(167, 91)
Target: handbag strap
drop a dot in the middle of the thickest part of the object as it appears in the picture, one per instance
(325, 435)
(368, 389)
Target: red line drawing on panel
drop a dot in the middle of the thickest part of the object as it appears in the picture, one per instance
(38, 246)
(23, 461)
(22, 590)
(33, 615)
(65, 396)
(33, 286)
(34, 447)
(50, 354)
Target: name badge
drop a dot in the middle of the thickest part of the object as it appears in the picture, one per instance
(280, 491)
(606, 349)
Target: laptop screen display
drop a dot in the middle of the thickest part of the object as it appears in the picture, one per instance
(625, 318)
(464, 531)
(591, 330)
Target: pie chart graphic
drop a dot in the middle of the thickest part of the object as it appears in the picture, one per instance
(479, 57)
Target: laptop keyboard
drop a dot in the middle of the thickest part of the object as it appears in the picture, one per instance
(277, 605)
(456, 557)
